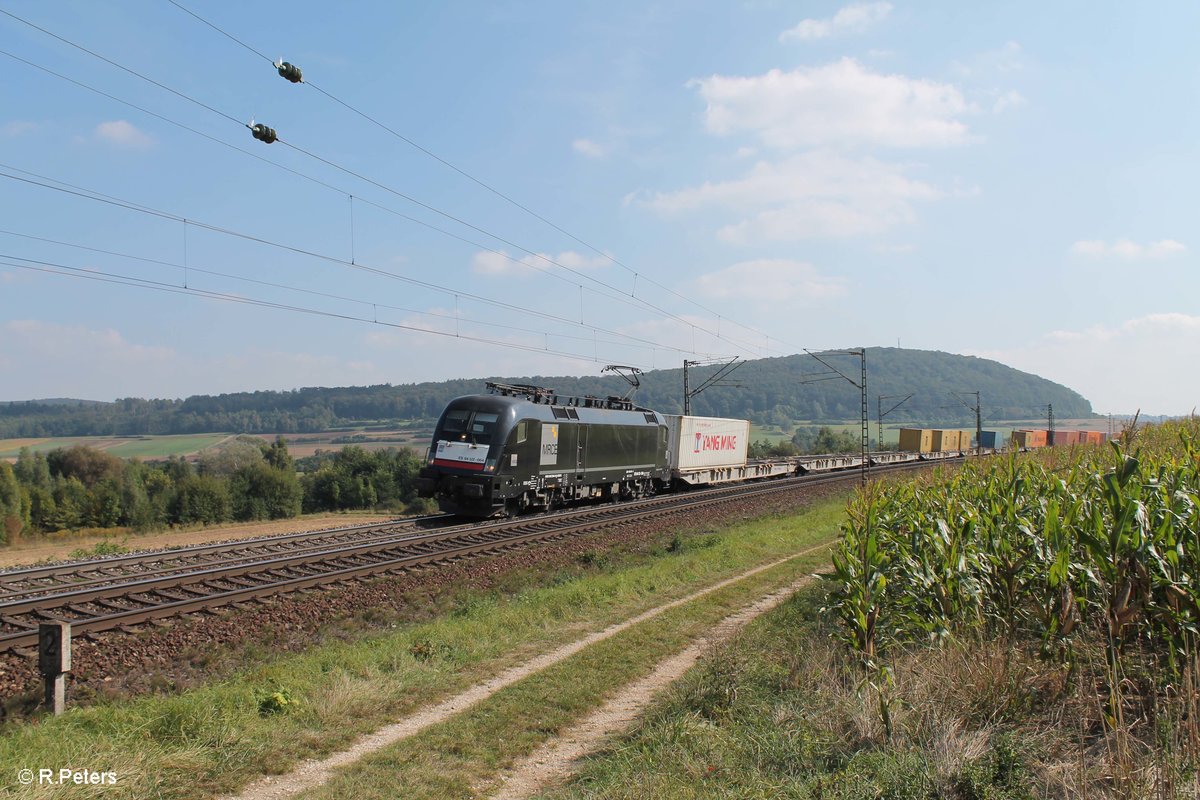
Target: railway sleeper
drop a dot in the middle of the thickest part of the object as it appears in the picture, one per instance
(138, 597)
(103, 603)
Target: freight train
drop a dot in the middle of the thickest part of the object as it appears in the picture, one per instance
(927, 440)
(524, 448)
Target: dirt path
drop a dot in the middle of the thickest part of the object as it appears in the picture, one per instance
(311, 774)
(31, 552)
(555, 761)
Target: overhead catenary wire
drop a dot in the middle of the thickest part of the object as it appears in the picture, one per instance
(109, 61)
(120, 203)
(479, 182)
(297, 173)
(127, 280)
(316, 293)
(614, 293)
(305, 176)
(433, 209)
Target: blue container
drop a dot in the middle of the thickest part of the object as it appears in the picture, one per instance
(988, 440)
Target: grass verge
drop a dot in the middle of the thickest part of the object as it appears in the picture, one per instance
(780, 711)
(452, 759)
(217, 737)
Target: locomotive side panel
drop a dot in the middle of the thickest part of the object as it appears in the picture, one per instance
(622, 446)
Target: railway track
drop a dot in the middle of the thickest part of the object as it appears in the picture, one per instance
(115, 593)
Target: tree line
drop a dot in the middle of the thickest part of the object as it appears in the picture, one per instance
(248, 479)
(809, 440)
(772, 391)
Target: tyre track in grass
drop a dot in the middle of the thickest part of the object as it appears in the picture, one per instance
(555, 761)
(314, 773)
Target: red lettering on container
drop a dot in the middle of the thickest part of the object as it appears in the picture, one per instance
(716, 442)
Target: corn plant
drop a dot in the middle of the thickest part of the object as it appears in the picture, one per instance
(1051, 544)
(860, 570)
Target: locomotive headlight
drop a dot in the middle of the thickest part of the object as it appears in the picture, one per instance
(490, 465)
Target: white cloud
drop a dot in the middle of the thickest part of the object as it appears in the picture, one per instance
(499, 263)
(1004, 60)
(1010, 99)
(1126, 249)
(850, 19)
(589, 148)
(1120, 368)
(839, 104)
(18, 128)
(123, 134)
(815, 194)
(772, 281)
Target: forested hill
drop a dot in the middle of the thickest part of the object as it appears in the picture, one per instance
(772, 390)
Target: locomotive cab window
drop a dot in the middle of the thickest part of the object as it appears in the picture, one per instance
(483, 426)
(455, 421)
(522, 431)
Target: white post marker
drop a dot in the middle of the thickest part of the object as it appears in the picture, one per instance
(54, 662)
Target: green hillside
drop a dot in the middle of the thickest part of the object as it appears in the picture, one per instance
(773, 390)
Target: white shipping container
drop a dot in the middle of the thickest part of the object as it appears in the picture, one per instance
(694, 442)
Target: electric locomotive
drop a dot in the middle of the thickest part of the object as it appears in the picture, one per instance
(523, 448)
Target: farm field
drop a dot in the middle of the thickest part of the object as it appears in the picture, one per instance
(306, 444)
(157, 448)
(148, 448)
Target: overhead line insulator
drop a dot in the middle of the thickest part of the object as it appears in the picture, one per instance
(289, 71)
(262, 133)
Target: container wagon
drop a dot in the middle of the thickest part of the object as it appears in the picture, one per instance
(1062, 438)
(916, 440)
(945, 441)
(704, 450)
(1029, 439)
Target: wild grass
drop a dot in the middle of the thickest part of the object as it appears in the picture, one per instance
(781, 712)
(462, 756)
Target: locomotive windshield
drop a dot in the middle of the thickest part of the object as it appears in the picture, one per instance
(455, 421)
(477, 427)
(483, 425)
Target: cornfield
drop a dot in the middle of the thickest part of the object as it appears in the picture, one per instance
(1045, 546)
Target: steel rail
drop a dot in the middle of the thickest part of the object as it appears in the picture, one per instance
(41, 580)
(94, 573)
(12, 576)
(209, 587)
(112, 588)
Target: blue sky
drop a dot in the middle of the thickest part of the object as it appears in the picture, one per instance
(1013, 180)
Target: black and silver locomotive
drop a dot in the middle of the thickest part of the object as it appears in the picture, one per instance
(523, 448)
